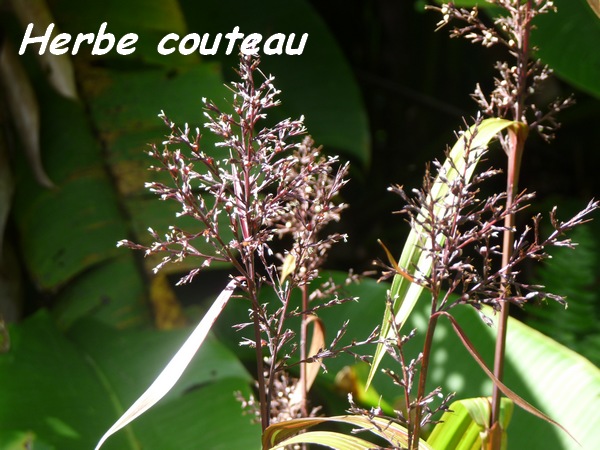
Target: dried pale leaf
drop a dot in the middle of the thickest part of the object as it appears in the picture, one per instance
(312, 369)
(23, 107)
(595, 5)
(167, 310)
(174, 369)
(400, 271)
(58, 68)
(317, 344)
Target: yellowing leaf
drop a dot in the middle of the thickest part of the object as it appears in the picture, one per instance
(167, 310)
(277, 434)
(329, 439)
(288, 266)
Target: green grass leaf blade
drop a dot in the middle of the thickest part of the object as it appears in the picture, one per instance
(329, 439)
(278, 435)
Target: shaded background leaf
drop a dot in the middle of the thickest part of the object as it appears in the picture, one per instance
(93, 373)
(58, 68)
(318, 84)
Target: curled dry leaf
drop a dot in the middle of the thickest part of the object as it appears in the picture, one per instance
(24, 109)
(312, 369)
(58, 68)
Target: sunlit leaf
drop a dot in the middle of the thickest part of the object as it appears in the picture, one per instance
(391, 431)
(329, 439)
(466, 423)
(174, 369)
(501, 386)
(94, 371)
(595, 5)
(548, 375)
(288, 266)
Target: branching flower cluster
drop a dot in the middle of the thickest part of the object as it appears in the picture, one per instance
(518, 80)
(258, 186)
(465, 253)
(255, 187)
(463, 230)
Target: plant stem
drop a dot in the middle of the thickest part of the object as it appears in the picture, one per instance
(517, 141)
(416, 429)
(303, 353)
(263, 395)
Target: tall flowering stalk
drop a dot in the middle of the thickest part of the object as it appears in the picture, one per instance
(467, 266)
(261, 184)
(510, 98)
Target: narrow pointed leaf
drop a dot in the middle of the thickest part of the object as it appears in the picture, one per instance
(329, 439)
(503, 388)
(317, 343)
(394, 433)
(174, 369)
(413, 261)
(312, 369)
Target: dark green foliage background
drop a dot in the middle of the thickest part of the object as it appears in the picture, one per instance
(376, 84)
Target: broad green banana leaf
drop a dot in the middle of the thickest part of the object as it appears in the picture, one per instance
(66, 390)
